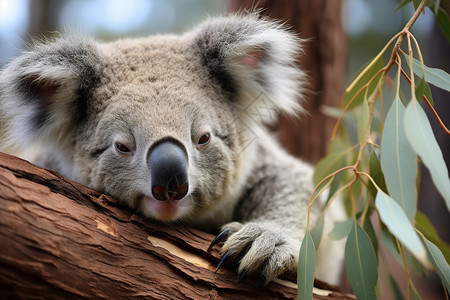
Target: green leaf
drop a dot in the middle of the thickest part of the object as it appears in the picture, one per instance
(368, 227)
(334, 186)
(402, 3)
(363, 121)
(391, 244)
(341, 229)
(377, 65)
(438, 261)
(415, 265)
(424, 225)
(361, 263)
(436, 77)
(434, 5)
(394, 217)
(306, 268)
(437, 4)
(335, 112)
(424, 89)
(376, 174)
(398, 160)
(420, 89)
(322, 188)
(443, 22)
(396, 292)
(421, 137)
(416, 4)
(332, 162)
(316, 232)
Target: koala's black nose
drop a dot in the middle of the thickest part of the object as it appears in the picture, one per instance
(168, 166)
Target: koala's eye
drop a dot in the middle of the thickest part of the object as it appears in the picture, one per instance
(204, 140)
(122, 148)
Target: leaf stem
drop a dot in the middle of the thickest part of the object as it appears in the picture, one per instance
(404, 32)
(371, 101)
(408, 276)
(411, 69)
(422, 64)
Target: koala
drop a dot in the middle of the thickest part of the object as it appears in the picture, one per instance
(166, 124)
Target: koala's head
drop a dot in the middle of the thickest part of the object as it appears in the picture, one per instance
(159, 122)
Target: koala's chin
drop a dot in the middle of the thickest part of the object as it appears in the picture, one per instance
(168, 210)
(172, 125)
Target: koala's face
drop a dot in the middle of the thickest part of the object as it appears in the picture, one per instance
(159, 122)
(165, 139)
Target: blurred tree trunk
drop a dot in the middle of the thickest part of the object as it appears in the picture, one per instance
(324, 61)
(43, 17)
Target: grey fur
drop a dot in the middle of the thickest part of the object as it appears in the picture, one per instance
(82, 96)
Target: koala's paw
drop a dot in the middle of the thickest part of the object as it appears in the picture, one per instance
(258, 250)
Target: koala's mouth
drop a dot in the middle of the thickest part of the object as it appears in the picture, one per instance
(168, 210)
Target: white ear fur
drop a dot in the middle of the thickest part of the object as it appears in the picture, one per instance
(40, 90)
(261, 58)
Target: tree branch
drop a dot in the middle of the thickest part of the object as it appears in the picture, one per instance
(60, 239)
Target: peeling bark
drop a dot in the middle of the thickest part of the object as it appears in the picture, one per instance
(62, 240)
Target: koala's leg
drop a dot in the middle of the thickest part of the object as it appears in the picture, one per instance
(270, 219)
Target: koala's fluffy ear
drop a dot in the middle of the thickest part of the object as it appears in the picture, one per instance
(44, 91)
(255, 58)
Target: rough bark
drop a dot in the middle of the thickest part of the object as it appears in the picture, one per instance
(62, 240)
(318, 21)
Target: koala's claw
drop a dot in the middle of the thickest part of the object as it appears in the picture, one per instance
(258, 250)
(220, 237)
(262, 281)
(224, 258)
(242, 276)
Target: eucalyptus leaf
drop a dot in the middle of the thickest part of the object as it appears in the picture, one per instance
(398, 160)
(316, 232)
(424, 89)
(363, 121)
(415, 265)
(434, 6)
(335, 112)
(368, 227)
(390, 244)
(341, 229)
(436, 77)
(330, 163)
(443, 22)
(421, 137)
(438, 261)
(402, 3)
(394, 217)
(306, 268)
(374, 67)
(334, 186)
(424, 225)
(396, 292)
(376, 174)
(361, 263)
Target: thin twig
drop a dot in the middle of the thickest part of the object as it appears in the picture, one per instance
(408, 276)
